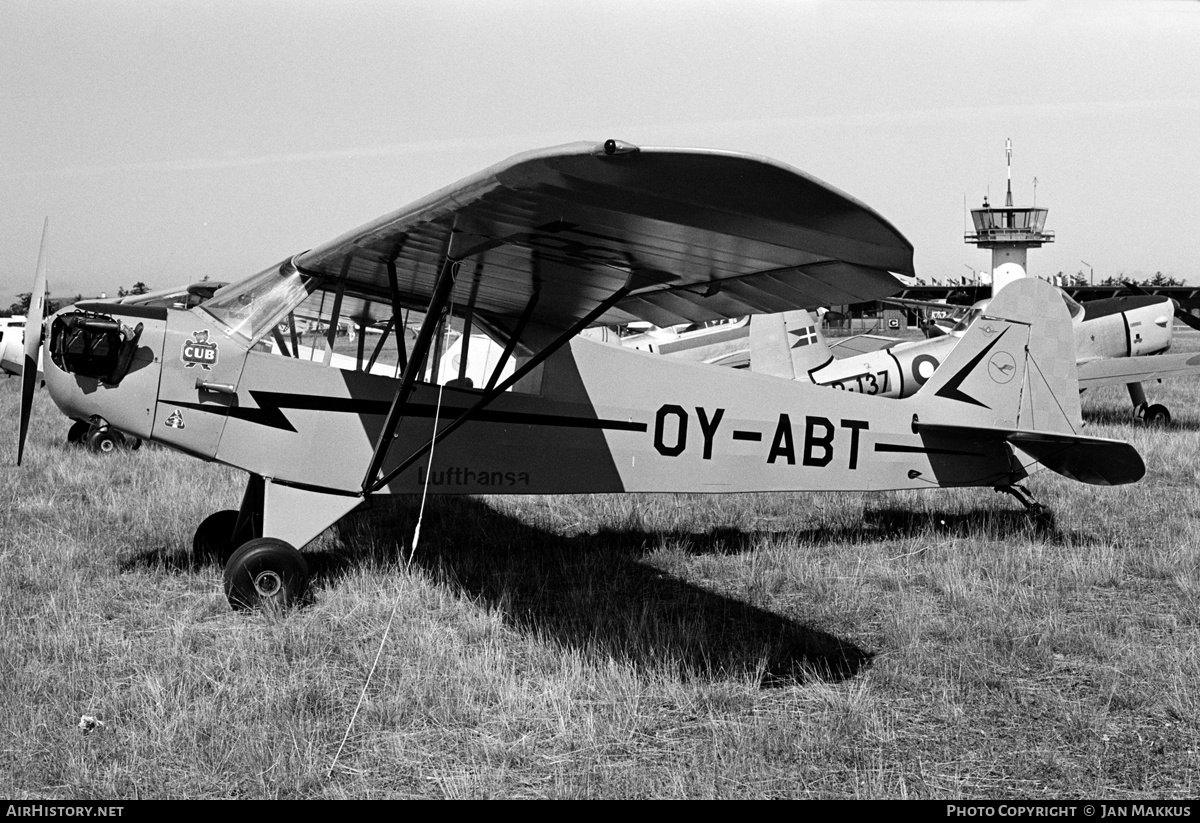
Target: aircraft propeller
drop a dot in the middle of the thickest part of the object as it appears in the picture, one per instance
(1187, 318)
(33, 341)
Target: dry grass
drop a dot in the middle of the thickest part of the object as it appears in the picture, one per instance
(843, 646)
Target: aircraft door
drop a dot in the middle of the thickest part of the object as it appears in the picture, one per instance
(200, 372)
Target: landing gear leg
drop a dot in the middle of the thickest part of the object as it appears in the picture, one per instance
(266, 569)
(1042, 516)
(1152, 415)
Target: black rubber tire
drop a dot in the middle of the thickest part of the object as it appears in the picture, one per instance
(265, 573)
(134, 443)
(1157, 415)
(215, 540)
(105, 441)
(78, 432)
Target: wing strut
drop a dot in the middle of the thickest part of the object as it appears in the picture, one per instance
(383, 338)
(401, 326)
(442, 289)
(491, 395)
(468, 319)
(512, 341)
(292, 331)
(337, 314)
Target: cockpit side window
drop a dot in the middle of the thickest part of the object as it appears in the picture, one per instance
(353, 331)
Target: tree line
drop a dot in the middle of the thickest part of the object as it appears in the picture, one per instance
(1158, 280)
(21, 306)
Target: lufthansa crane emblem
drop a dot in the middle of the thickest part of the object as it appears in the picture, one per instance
(1002, 367)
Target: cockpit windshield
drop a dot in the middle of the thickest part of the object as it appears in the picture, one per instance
(970, 317)
(964, 323)
(1072, 307)
(252, 307)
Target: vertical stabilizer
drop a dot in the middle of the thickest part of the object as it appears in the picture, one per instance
(787, 345)
(1013, 369)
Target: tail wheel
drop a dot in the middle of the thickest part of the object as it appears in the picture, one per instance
(78, 432)
(265, 573)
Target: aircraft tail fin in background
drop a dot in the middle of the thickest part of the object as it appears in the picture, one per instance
(787, 345)
(1014, 368)
(1012, 378)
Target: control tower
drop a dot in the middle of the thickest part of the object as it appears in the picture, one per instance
(1008, 231)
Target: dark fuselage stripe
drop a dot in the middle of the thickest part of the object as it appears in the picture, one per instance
(892, 447)
(272, 406)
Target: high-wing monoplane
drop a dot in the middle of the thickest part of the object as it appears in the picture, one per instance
(529, 253)
(1118, 340)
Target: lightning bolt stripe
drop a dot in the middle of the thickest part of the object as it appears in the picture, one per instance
(951, 391)
(271, 406)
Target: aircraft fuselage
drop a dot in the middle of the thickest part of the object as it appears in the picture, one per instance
(593, 418)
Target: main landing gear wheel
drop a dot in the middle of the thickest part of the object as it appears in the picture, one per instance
(1156, 415)
(77, 432)
(105, 441)
(265, 573)
(215, 539)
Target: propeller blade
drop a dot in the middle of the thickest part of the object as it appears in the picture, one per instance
(1186, 317)
(33, 340)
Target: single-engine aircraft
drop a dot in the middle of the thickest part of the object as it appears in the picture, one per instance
(531, 252)
(1118, 340)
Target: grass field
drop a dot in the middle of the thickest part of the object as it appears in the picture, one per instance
(933, 645)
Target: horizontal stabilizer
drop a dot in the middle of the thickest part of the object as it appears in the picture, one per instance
(1094, 460)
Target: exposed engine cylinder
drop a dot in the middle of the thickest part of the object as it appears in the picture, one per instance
(93, 345)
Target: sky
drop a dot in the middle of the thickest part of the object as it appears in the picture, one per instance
(170, 140)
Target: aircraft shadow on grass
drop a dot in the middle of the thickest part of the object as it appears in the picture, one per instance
(593, 592)
(589, 592)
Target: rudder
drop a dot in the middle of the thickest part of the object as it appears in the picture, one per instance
(787, 345)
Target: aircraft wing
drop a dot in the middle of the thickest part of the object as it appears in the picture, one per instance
(910, 303)
(696, 235)
(1121, 370)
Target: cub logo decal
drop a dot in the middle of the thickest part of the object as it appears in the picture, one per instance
(198, 351)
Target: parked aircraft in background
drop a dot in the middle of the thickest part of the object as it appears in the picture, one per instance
(12, 345)
(1118, 340)
(529, 253)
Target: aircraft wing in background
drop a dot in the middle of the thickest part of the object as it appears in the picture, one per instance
(1124, 370)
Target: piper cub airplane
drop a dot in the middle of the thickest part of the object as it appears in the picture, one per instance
(1118, 340)
(531, 252)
